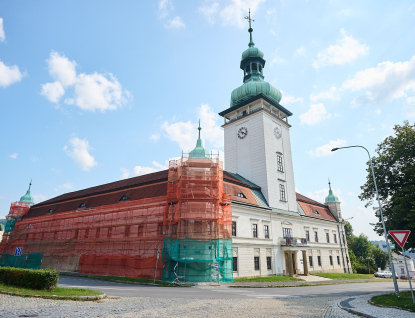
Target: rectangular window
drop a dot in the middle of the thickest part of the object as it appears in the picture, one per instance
(315, 236)
(344, 241)
(338, 260)
(279, 163)
(319, 260)
(266, 231)
(310, 260)
(327, 237)
(287, 232)
(282, 193)
(331, 260)
(335, 238)
(255, 230)
(235, 264)
(307, 236)
(269, 265)
(233, 228)
(256, 263)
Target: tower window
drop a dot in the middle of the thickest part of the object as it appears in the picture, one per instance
(279, 163)
(282, 193)
(247, 68)
(254, 66)
(260, 67)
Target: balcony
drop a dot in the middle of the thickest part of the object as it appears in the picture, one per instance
(292, 241)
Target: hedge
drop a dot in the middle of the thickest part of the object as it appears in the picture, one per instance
(45, 279)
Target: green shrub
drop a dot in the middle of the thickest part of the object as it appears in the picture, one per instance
(45, 279)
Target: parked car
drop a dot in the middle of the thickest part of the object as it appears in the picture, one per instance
(385, 274)
(404, 276)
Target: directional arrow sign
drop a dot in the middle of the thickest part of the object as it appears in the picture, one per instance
(400, 236)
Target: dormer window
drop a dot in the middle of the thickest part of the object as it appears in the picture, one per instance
(124, 198)
(316, 212)
(241, 195)
(82, 206)
(50, 211)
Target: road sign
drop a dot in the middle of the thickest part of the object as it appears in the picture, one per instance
(400, 236)
(18, 251)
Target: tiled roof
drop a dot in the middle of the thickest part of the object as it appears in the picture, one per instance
(310, 207)
(233, 190)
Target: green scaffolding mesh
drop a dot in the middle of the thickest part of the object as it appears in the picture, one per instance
(197, 261)
(9, 226)
(29, 261)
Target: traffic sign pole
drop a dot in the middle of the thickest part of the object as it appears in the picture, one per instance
(409, 276)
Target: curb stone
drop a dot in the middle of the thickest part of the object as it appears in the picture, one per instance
(81, 298)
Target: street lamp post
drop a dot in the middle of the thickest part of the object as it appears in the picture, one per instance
(381, 215)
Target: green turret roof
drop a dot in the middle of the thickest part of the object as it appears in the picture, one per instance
(27, 197)
(331, 197)
(253, 63)
(199, 151)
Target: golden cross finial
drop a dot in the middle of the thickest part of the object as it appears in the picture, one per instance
(249, 18)
(251, 43)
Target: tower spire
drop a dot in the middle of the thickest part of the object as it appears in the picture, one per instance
(199, 151)
(251, 43)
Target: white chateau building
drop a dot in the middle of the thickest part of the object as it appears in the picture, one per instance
(283, 232)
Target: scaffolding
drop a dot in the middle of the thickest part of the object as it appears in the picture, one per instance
(190, 226)
(197, 223)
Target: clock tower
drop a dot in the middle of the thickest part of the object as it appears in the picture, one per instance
(257, 136)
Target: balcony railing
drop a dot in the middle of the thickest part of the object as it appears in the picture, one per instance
(292, 241)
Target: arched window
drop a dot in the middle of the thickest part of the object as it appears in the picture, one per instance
(247, 68)
(254, 66)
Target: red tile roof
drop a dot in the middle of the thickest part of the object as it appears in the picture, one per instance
(310, 206)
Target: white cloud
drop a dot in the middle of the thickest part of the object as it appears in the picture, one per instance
(320, 195)
(9, 74)
(378, 111)
(39, 197)
(185, 133)
(61, 69)
(410, 107)
(288, 99)
(155, 137)
(53, 91)
(276, 59)
(210, 12)
(90, 92)
(383, 83)
(229, 12)
(80, 153)
(364, 212)
(14, 155)
(164, 7)
(66, 186)
(325, 150)
(139, 170)
(55, 170)
(314, 115)
(175, 23)
(300, 51)
(2, 34)
(330, 94)
(346, 51)
(271, 15)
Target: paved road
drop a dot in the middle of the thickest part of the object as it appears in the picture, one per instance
(129, 290)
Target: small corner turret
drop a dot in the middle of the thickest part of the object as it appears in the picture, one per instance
(19, 209)
(333, 203)
(199, 151)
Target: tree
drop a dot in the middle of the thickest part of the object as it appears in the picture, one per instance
(380, 257)
(361, 247)
(348, 229)
(394, 168)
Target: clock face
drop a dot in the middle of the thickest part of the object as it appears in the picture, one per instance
(277, 132)
(242, 132)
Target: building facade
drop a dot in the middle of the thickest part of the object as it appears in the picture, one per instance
(194, 221)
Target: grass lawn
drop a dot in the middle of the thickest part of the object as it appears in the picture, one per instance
(58, 291)
(345, 276)
(391, 300)
(121, 279)
(277, 278)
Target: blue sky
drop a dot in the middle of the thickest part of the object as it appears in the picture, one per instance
(95, 91)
